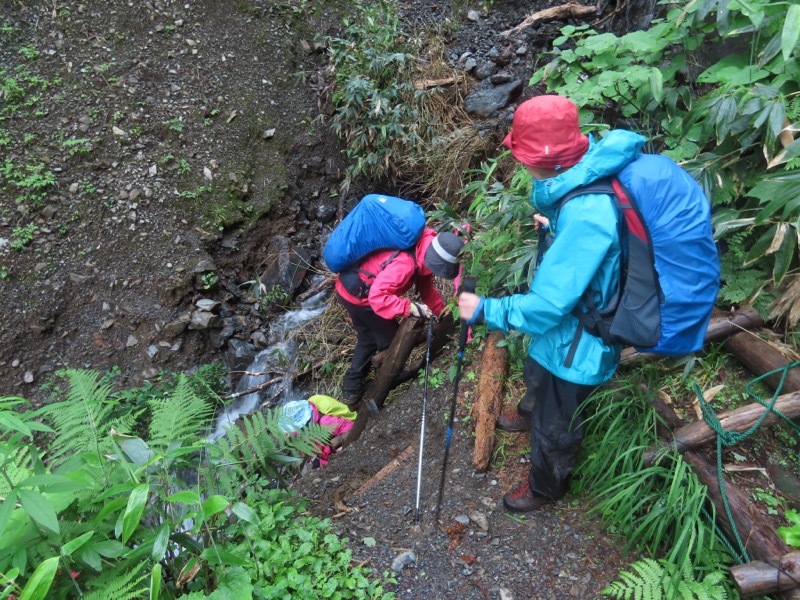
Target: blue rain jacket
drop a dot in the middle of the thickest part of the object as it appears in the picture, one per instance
(585, 254)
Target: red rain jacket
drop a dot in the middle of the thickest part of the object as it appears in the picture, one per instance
(388, 287)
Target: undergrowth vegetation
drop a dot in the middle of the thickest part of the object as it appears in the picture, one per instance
(122, 494)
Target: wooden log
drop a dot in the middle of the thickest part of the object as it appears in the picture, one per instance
(759, 578)
(720, 327)
(565, 11)
(762, 356)
(755, 530)
(411, 333)
(493, 367)
(426, 84)
(699, 433)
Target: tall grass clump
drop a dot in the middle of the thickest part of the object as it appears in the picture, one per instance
(661, 510)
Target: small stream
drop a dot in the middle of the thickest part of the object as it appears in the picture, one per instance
(278, 359)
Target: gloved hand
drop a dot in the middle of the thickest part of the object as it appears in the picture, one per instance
(420, 310)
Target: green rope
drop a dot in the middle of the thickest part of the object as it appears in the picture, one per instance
(730, 438)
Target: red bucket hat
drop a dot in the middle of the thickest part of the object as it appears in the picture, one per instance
(545, 133)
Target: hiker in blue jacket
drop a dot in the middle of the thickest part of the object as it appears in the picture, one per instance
(563, 367)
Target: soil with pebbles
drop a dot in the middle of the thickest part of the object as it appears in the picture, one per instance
(182, 137)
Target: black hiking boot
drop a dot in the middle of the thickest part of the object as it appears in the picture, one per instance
(522, 499)
(513, 422)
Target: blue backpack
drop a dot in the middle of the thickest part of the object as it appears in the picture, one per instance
(670, 266)
(376, 223)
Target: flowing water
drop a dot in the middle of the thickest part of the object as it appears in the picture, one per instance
(277, 360)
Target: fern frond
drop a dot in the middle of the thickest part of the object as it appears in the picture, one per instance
(260, 444)
(120, 584)
(82, 421)
(182, 417)
(664, 580)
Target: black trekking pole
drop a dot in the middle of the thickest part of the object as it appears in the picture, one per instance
(422, 426)
(467, 286)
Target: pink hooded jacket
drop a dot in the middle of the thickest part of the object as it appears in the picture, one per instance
(388, 287)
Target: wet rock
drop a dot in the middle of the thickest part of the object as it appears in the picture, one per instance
(204, 320)
(404, 559)
(218, 337)
(208, 305)
(486, 101)
(287, 265)
(484, 70)
(177, 326)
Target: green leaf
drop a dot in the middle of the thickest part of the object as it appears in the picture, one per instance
(785, 254)
(90, 557)
(759, 249)
(245, 513)
(214, 555)
(134, 448)
(215, 504)
(160, 543)
(70, 547)
(133, 512)
(656, 84)
(6, 508)
(791, 31)
(185, 497)
(368, 541)
(41, 580)
(155, 582)
(110, 548)
(39, 509)
(53, 483)
(14, 423)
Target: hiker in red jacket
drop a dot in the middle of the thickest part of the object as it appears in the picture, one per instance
(375, 316)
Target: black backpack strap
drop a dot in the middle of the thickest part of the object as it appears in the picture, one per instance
(592, 319)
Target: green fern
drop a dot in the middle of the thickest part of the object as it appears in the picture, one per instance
(662, 580)
(181, 417)
(120, 584)
(82, 421)
(260, 443)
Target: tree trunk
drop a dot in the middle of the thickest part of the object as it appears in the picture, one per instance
(719, 328)
(758, 578)
(494, 364)
(760, 356)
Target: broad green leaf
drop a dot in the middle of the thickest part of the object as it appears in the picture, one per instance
(791, 31)
(91, 558)
(785, 254)
(215, 504)
(72, 545)
(155, 582)
(110, 508)
(791, 151)
(245, 513)
(41, 580)
(161, 542)
(215, 555)
(133, 512)
(53, 483)
(6, 508)
(185, 497)
(134, 448)
(14, 423)
(759, 249)
(110, 548)
(39, 509)
(656, 84)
